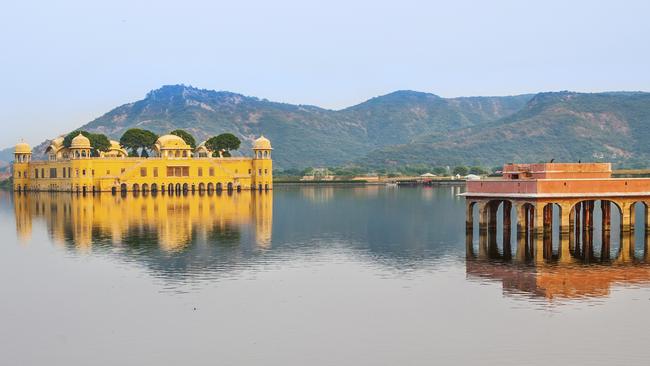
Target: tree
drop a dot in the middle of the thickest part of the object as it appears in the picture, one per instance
(461, 170)
(477, 170)
(186, 136)
(225, 143)
(98, 142)
(135, 139)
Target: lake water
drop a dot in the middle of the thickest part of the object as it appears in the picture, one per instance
(297, 276)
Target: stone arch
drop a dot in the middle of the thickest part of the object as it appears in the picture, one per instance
(201, 187)
(123, 188)
(154, 188)
(185, 187)
(170, 188)
(178, 187)
(219, 187)
(114, 190)
(230, 186)
(136, 187)
(145, 188)
(210, 187)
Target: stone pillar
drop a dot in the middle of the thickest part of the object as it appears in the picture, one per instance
(645, 218)
(606, 229)
(530, 229)
(627, 219)
(565, 233)
(588, 223)
(493, 250)
(507, 230)
(482, 228)
(539, 231)
(522, 227)
(579, 229)
(548, 231)
(469, 228)
(572, 227)
(646, 235)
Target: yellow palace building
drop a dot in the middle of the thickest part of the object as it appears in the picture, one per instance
(175, 166)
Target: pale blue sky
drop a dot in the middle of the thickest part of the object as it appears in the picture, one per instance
(64, 63)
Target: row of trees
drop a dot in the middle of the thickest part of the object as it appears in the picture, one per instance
(140, 142)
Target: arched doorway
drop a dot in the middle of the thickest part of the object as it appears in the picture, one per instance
(219, 187)
(123, 188)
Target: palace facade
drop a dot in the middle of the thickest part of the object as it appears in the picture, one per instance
(175, 166)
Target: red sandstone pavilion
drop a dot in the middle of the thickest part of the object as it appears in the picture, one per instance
(573, 191)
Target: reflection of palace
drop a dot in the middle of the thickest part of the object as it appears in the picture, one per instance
(174, 167)
(169, 221)
(559, 280)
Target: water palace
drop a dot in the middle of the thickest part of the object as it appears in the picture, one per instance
(174, 166)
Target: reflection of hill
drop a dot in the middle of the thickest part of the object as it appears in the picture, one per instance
(564, 281)
(400, 227)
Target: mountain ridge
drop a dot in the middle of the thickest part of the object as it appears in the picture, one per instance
(400, 127)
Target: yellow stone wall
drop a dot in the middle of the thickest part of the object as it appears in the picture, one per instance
(116, 174)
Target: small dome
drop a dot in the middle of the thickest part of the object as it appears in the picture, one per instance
(80, 142)
(171, 142)
(22, 148)
(262, 143)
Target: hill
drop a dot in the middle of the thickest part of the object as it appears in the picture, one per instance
(302, 135)
(565, 126)
(404, 127)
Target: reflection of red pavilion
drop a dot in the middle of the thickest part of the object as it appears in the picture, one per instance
(560, 281)
(531, 195)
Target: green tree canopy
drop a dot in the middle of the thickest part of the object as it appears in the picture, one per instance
(225, 143)
(461, 170)
(186, 136)
(135, 139)
(98, 142)
(478, 170)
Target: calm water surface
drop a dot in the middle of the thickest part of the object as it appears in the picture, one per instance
(299, 276)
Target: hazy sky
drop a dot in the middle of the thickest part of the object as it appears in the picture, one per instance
(64, 63)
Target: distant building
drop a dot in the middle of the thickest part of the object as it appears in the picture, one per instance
(319, 174)
(175, 166)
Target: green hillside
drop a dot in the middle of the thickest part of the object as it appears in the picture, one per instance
(403, 127)
(302, 135)
(564, 126)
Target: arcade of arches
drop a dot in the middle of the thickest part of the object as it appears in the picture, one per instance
(558, 230)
